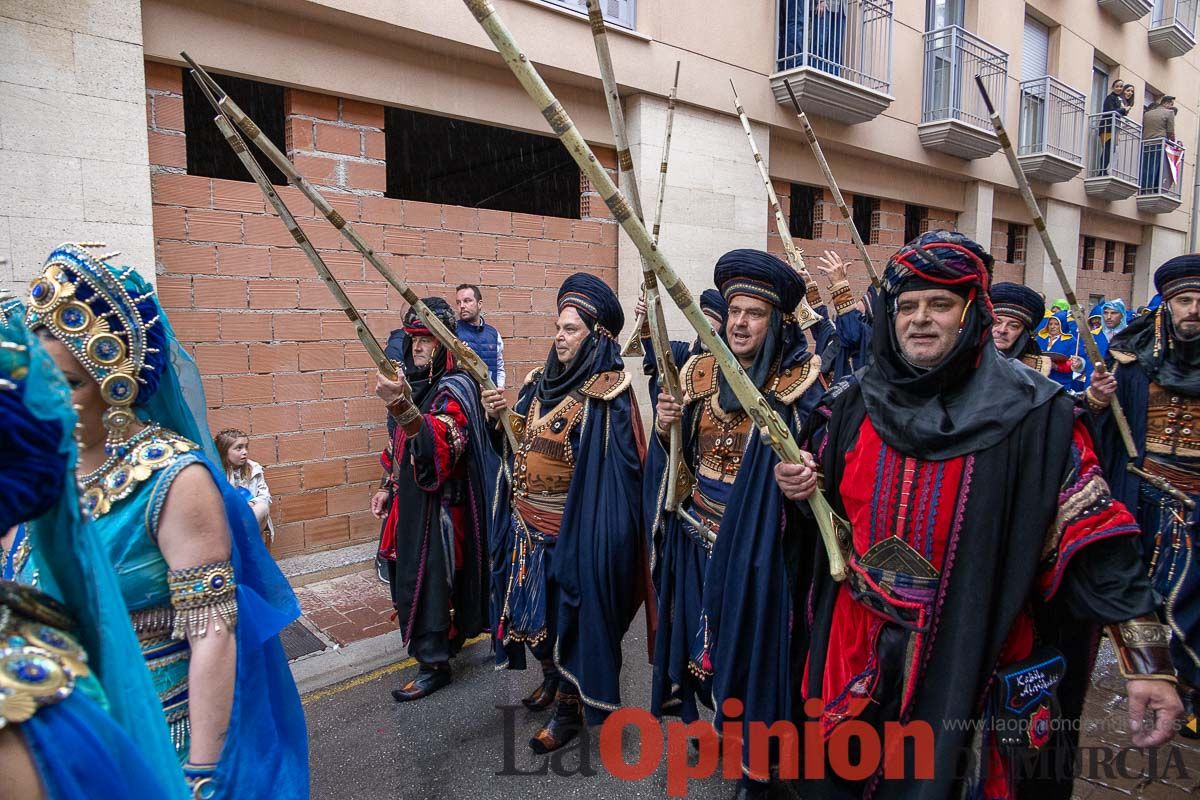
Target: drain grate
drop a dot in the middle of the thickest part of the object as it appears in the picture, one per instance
(299, 641)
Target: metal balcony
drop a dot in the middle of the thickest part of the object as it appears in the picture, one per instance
(1050, 138)
(1162, 176)
(1127, 10)
(1173, 27)
(837, 56)
(1114, 156)
(953, 117)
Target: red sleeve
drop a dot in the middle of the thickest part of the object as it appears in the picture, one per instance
(439, 444)
(1063, 366)
(1087, 512)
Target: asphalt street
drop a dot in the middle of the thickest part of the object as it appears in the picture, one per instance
(453, 743)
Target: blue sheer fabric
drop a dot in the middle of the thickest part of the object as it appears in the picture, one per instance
(79, 750)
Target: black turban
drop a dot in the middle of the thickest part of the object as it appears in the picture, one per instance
(595, 302)
(761, 275)
(415, 326)
(1020, 302)
(1180, 274)
(712, 302)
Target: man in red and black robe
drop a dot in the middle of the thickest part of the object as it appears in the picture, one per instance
(985, 547)
(434, 504)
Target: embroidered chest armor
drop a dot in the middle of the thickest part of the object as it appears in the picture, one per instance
(722, 439)
(1173, 424)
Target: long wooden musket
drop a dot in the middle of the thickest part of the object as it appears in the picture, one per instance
(838, 200)
(369, 342)
(463, 355)
(633, 345)
(773, 428)
(1085, 333)
(679, 478)
(805, 314)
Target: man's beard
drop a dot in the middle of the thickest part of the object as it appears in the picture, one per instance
(1185, 337)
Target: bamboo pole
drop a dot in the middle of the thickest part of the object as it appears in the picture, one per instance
(773, 428)
(464, 356)
(1085, 333)
(838, 200)
(805, 314)
(369, 342)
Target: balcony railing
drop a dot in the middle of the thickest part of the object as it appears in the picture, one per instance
(1114, 155)
(953, 57)
(1162, 176)
(849, 39)
(618, 12)
(1053, 118)
(1173, 27)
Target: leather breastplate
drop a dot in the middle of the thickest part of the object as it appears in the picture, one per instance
(722, 441)
(1173, 425)
(545, 463)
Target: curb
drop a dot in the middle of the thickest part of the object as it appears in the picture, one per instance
(337, 664)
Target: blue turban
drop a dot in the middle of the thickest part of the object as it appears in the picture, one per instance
(1018, 301)
(939, 260)
(1180, 274)
(594, 300)
(761, 275)
(713, 302)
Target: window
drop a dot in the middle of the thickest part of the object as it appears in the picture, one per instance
(1110, 255)
(617, 12)
(1100, 86)
(1089, 253)
(441, 160)
(208, 154)
(1094, 300)
(944, 13)
(803, 217)
(1035, 50)
(863, 214)
(1130, 260)
(1015, 242)
(914, 221)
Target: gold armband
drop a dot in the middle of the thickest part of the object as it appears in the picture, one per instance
(1143, 649)
(197, 593)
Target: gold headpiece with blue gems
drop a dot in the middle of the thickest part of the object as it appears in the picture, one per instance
(114, 354)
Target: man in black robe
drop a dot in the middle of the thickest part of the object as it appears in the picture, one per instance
(432, 500)
(984, 548)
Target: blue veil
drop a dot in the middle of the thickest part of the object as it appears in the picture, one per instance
(78, 748)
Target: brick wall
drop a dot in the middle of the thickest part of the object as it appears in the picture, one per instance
(278, 360)
(1009, 267)
(1091, 279)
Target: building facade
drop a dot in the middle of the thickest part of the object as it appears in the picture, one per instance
(404, 115)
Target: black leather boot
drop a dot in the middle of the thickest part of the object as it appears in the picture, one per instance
(543, 696)
(430, 678)
(564, 726)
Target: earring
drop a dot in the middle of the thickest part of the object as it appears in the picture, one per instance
(117, 420)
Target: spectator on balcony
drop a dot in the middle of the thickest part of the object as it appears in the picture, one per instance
(1158, 128)
(1127, 96)
(829, 34)
(1114, 102)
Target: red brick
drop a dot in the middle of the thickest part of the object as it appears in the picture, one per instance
(321, 356)
(314, 296)
(168, 112)
(248, 389)
(212, 391)
(558, 228)
(311, 104)
(495, 221)
(274, 419)
(175, 292)
(357, 112)
(167, 150)
(345, 265)
(336, 139)
(385, 210)
(497, 275)
(364, 527)
(245, 327)
(528, 225)
(169, 222)
(214, 226)
(511, 249)
(267, 230)
(328, 532)
(421, 270)
(188, 259)
(575, 253)
(374, 145)
(266, 294)
(422, 215)
(323, 414)
(289, 263)
(365, 411)
(403, 241)
(196, 326)
(478, 246)
(296, 202)
(298, 387)
(301, 446)
(322, 235)
(357, 357)
(238, 196)
(221, 359)
(323, 474)
(220, 292)
(459, 218)
(336, 385)
(229, 417)
(459, 272)
(335, 325)
(319, 170)
(284, 480)
(346, 204)
(291, 327)
(368, 295)
(296, 507)
(253, 262)
(289, 540)
(349, 499)
(363, 175)
(272, 358)
(360, 469)
(514, 300)
(298, 135)
(447, 243)
(588, 231)
(602, 256)
(347, 442)
(172, 188)
(164, 77)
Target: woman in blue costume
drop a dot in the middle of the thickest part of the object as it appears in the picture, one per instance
(203, 596)
(78, 714)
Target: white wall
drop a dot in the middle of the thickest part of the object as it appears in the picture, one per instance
(73, 152)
